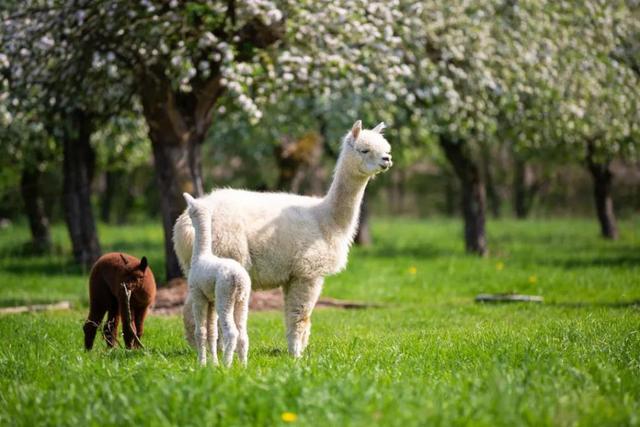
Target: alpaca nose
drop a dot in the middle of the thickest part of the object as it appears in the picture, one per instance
(386, 157)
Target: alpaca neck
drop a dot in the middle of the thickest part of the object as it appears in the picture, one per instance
(202, 238)
(342, 202)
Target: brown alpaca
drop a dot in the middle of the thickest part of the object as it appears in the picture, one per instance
(108, 295)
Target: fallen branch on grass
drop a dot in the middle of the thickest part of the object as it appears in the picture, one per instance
(494, 298)
(127, 315)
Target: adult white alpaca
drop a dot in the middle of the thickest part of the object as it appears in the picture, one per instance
(220, 281)
(289, 240)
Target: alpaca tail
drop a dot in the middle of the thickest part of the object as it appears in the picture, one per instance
(183, 237)
(243, 286)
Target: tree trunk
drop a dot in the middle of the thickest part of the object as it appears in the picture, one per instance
(493, 196)
(34, 208)
(78, 168)
(106, 205)
(174, 177)
(473, 194)
(602, 183)
(525, 188)
(449, 193)
(363, 235)
(178, 123)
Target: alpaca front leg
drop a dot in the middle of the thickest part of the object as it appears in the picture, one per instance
(212, 333)
(200, 307)
(300, 298)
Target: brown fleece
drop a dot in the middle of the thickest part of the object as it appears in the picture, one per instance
(106, 295)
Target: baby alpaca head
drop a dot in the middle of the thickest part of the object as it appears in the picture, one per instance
(367, 152)
(195, 208)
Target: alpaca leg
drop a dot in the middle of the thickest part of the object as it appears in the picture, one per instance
(139, 314)
(200, 307)
(212, 332)
(240, 314)
(91, 325)
(128, 326)
(111, 327)
(224, 307)
(300, 298)
(188, 322)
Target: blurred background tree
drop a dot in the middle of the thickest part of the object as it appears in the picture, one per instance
(492, 106)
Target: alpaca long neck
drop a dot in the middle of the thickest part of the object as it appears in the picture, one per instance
(344, 197)
(202, 238)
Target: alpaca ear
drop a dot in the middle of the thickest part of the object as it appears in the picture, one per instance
(188, 198)
(380, 128)
(355, 130)
(143, 264)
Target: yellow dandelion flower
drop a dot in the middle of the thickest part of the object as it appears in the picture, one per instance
(500, 266)
(289, 417)
(412, 269)
(533, 279)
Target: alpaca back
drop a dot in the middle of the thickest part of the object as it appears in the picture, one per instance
(275, 236)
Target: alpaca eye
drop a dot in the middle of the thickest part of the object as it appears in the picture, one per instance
(364, 151)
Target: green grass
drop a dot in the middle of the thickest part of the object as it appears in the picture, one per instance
(430, 356)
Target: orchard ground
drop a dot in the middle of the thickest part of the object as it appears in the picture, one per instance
(429, 355)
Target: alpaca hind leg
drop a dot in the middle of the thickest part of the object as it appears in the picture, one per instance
(300, 298)
(110, 329)
(212, 332)
(240, 314)
(224, 307)
(91, 325)
(188, 322)
(200, 305)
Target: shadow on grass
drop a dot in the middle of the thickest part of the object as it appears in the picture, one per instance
(137, 248)
(596, 304)
(271, 352)
(51, 267)
(565, 304)
(15, 302)
(619, 259)
(387, 250)
(26, 249)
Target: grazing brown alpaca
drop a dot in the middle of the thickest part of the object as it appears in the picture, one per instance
(108, 295)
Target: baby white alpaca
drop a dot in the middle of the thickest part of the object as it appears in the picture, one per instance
(220, 281)
(289, 240)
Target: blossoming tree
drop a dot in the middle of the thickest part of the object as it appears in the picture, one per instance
(181, 58)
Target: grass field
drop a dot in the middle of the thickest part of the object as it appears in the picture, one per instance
(429, 356)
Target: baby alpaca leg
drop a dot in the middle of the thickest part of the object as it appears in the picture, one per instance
(200, 307)
(224, 307)
(240, 314)
(212, 332)
(300, 297)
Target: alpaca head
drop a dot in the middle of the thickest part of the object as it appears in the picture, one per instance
(195, 209)
(134, 271)
(366, 152)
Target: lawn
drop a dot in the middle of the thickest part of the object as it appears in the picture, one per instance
(428, 356)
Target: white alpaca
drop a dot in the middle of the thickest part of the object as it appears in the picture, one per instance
(289, 240)
(220, 281)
